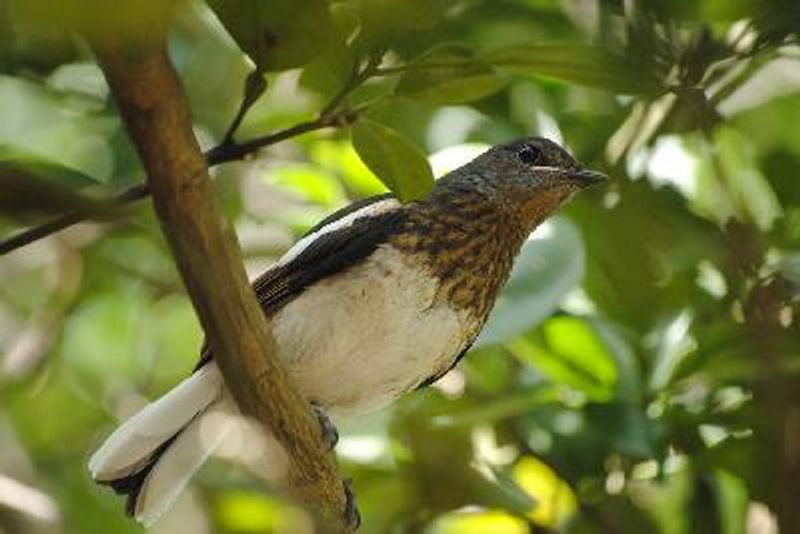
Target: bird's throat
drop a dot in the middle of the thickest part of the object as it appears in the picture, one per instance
(467, 244)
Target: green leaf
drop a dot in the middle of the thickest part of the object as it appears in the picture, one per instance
(330, 70)
(383, 20)
(573, 355)
(394, 160)
(35, 186)
(550, 264)
(429, 78)
(576, 343)
(279, 34)
(309, 181)
(580, 64)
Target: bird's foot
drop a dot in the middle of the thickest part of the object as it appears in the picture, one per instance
(330, 436)
(351, 514)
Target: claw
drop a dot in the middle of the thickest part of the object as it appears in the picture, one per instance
(330, 436)
(351, 514)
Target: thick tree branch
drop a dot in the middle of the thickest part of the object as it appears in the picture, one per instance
(157, 117)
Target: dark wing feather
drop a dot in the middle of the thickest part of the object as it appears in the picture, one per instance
(331, 253)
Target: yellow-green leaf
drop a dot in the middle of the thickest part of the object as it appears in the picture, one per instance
(394, 160)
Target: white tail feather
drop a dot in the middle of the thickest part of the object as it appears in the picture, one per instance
(170, 474)
(132, 444)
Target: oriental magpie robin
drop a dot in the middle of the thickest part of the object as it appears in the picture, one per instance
(377, 300)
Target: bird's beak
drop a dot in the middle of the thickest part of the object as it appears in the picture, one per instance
(586, 177)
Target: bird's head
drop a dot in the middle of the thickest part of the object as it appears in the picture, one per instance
(530, 177)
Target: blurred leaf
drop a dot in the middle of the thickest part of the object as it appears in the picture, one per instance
(15, 159)
(395, 161)
(673, 345)
(383, 20)
(654, 230)
(243, 511)
(26, 44)
(427, 77)
(790, 268)
(469, 522)
(554, 499)
(341, 159)
(735, 176)
(573, 355)
(408, 117)
(41, 122)
(575, 340)
(629, 373)
(551, 263)
(732, 499)
(35, 187)
(100, 19)
(624, 427)
(580, 64)
(308, 180)
(278, 34)
(330, 70)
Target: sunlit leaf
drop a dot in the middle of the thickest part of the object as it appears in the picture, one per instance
(574, 355)
(470, 522)
(242, 511)
(341, 159)
(550, 264)
(310, 182)
(555, 500)
(394, 160)
(575, 341)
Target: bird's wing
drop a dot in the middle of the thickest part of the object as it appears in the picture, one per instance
(338, 242)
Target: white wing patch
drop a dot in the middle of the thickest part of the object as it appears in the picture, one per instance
(369, 210)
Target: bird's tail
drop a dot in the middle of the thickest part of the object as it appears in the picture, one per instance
(152, 456)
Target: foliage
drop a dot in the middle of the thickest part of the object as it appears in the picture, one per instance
(640, 372)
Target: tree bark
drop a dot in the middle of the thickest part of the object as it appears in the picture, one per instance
(154, 108)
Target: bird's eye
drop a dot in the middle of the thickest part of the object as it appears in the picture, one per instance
(529, 155)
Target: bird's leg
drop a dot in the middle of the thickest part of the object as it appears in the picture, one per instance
(351, 514)
(330, 436)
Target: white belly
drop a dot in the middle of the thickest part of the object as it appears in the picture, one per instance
(353, 343)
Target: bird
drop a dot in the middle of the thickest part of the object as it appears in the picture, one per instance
(379, 299)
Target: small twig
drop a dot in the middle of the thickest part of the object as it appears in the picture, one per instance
(30, 235)
(224, 153)
(254, 87)
(357, 77)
